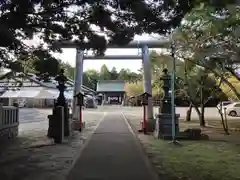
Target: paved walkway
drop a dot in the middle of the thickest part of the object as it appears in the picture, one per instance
(112, 153)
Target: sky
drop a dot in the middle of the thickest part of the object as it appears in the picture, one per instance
(69, 55)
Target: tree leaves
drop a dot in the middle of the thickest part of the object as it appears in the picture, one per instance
(54, 20)
(59, 20)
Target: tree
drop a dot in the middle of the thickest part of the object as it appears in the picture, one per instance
(46, 68)
(51, 21)
(134, 89)
(194, 84)
(124, 74)
(69, 70)
(199, 90)
(45, 65)
(114, 74)
(159, 62)
(134, 77)
(90, 78)
(104, 73)
(210, 38)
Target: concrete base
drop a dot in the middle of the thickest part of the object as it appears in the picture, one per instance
(163, 127)
(75, 125)
(151, 125)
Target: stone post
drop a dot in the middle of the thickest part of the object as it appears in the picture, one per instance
(59, 136)
(1, 114)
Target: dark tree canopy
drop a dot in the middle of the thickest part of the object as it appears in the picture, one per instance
(53, 20)
(46, 67)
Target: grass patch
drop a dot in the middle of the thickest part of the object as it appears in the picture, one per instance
(195, 160)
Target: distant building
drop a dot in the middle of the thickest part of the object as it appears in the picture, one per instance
(28, 91)
(111, 91)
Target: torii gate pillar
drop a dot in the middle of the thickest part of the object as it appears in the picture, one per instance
(147, 80)
(77, 86)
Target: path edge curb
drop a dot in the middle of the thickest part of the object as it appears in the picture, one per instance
(84, 146)
(142, 150)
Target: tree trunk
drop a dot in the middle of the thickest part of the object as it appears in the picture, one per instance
(202, 107)
(223, 121)
(189, 112)
(224, 125)
(200, 114)
(202, 117)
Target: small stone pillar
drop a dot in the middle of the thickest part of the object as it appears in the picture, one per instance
(59, 131)
(163, 128)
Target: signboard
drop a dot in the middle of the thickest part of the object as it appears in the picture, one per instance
(80, 99)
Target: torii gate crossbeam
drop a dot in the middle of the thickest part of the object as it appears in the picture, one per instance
(164, 43)
(113, 57)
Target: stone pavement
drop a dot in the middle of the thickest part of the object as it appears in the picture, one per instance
(112, 153)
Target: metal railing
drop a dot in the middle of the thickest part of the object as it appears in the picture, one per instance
(9, 117)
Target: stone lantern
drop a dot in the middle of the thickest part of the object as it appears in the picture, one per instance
(165, 106)
(61, 79)
(163, 128)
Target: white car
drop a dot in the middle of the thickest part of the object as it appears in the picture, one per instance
(223, 104)
(232, 109)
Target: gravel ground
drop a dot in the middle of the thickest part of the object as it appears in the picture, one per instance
(32, 156)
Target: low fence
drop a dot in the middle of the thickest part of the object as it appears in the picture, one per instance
(9, 121)
(155, 103)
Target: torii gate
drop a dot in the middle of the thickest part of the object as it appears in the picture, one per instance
(143, 45)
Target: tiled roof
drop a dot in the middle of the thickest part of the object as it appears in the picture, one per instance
(111, 86)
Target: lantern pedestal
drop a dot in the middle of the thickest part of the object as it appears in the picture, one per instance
(163, 127)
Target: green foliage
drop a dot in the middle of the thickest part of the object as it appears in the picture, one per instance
(210, 38)
(124, 74)
(104, 73)
(114, 74)
(45, 65)
(69, 70)
(134, 89)
(190, 79)
(62, 20)
(91, 77)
